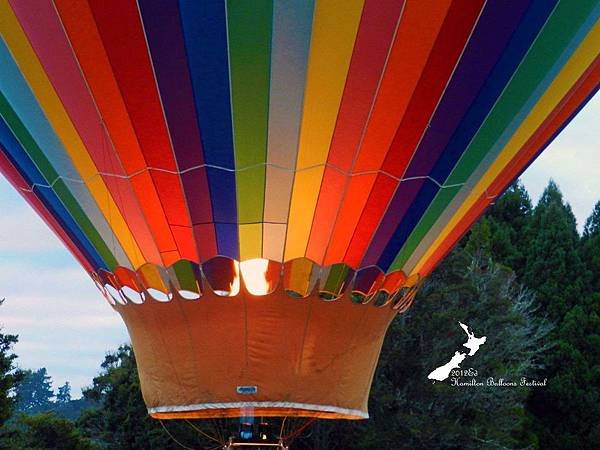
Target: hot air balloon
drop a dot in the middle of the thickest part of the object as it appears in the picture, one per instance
(259, 187)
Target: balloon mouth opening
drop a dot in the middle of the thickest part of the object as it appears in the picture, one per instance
(254, 278)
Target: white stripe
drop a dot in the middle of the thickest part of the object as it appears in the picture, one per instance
(238, 405)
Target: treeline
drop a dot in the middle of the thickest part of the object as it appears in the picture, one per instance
(35, 395)
(523, 276)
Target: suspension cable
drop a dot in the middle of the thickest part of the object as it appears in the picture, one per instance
(297, 432)
(173, 437)
(203, 433)
(281, 429)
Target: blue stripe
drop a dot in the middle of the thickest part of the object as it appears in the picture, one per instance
(227, 243)
(28, 170)
(205, 33)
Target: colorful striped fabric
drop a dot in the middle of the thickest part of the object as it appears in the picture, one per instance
(363, 132)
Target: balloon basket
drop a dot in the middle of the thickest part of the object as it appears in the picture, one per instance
(306, 347)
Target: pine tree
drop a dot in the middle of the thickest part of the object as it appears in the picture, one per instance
(568, 409)
(566, 412)
(592, 224)
(590, 251)
(35, 392)
(510, 217)
(578, 381)
(553, 265)
(64, 393)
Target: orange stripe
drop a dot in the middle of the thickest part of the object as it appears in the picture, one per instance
(373, 42)
(83, 33)
(419, 27)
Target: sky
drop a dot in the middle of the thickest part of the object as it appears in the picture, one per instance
(65, 325)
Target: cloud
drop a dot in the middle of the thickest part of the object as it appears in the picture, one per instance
(573, 161)
(63, 322)
(22, 230)
(33, 234)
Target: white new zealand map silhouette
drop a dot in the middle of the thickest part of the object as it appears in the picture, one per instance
(473, 343)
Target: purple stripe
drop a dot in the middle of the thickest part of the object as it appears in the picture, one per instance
(397, 208)
(165, 39)
(162, 25)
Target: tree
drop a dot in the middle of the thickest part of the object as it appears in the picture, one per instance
(35, 392)
(64, 393)
(567, 411)
(9, 375)
(67, 407)
(44, 431)
(590, 251)
(511, 216)
(592, 224)
(553, 265)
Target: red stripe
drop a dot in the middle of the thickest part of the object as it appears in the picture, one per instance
(373, 40)
(133, 71)
(419, 26)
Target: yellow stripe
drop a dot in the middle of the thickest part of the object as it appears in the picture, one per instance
(251, 237)
(568, 76)
(50, 103)
(334, 31)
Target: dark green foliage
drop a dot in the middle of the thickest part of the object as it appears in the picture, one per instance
(43, 431)
(590, 252)
(564, 271)
(592, 224)
(9, 376)
(567, 411)
(543, 247)
(502, 232)
(553, 265)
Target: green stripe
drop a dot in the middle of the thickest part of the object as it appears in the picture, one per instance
(61, 190)
(186, 276)
(336, 277)
(249, 28)
(556, 35)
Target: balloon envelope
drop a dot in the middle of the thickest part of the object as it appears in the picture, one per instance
(312, 160)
